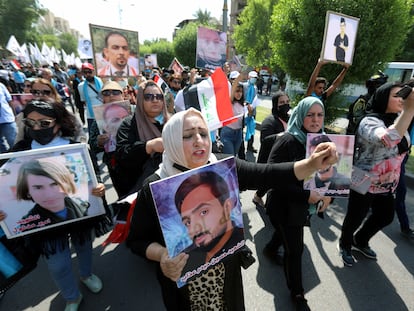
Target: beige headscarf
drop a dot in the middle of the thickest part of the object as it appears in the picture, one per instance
(172, 138)
(146, 129)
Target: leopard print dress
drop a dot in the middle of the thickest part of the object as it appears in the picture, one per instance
(206, 292)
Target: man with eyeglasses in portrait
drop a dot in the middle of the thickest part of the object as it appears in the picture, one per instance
(8, 127)
(117, 52)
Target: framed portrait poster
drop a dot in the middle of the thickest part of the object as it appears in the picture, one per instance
(200, 214)
(109, 117)
(339, 38)
(115, 51)
(46, 188)
(334, 180)
(211, 48)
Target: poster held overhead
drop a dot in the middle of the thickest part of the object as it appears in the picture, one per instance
(339, 38)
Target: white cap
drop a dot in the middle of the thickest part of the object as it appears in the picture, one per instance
(234, 74)
(252, 74)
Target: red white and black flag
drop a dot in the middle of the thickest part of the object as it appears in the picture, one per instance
(161, 83)
(212, 98)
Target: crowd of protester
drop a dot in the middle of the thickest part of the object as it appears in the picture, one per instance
(151, 140)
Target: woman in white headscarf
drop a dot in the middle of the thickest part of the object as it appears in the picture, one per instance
(189, 150)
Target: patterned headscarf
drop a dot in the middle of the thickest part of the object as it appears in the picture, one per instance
(295, 124)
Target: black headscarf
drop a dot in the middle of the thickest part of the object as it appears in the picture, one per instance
(379, 103)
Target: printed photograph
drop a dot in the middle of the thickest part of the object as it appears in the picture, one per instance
(334, 180)
(339, 37)
(45, 188)
(109, 117)
(200, 214)
(115, 51)
(211, 48)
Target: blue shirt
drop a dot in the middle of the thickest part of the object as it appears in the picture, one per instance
(6, 111)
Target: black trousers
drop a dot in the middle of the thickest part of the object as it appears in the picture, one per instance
(382, 214)
(292, 240)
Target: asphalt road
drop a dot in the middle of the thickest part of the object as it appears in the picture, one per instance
(130, 284)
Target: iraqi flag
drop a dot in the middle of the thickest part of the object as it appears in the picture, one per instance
(161, 83)
(212, 98)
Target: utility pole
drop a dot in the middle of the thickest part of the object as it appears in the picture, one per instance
(225, 10)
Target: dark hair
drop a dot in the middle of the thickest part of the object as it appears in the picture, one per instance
(321, 80)
(54, 170)
(217, 184)
(275, 100)
(320, 139)
(66, 120)
(113, 33)
(241, 98)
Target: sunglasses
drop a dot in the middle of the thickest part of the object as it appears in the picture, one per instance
(41, 92)
(27, 85)
(111, 92)
(86, 72)
(151, 97)
(43, 123)
(176, 81)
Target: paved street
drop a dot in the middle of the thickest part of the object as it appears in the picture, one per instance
(130, 284)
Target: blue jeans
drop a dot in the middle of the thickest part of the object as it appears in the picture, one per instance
(8, 132)
(231, 140)
(60, 267)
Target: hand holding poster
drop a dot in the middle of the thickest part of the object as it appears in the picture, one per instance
(108, 118)
(46, 188)
(335, 180)
(200, 214)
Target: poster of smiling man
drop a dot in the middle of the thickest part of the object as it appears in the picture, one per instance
(200, 214)
(46, 188)
(339, 38)
(115, 51)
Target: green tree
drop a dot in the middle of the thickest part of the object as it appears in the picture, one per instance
(252, 36)
(203, 17)
(298, 27)
(407, 53)
(50, 40)
(17, 18)
(68, 43)
(185, 44)
(161, 47)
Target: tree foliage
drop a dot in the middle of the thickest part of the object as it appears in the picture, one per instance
(252, 36)
(16, 18)
(202, 17)
(185, 44)
(161, 47)
(298, 27)
(68, 43)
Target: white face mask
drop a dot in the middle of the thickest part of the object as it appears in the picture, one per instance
(252, 80)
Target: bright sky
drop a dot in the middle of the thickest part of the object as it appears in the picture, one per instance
(152, 19)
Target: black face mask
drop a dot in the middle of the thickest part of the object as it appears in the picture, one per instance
(283, 112)
(42, 136)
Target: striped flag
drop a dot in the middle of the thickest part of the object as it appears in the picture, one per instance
(212, 98)
(161, 83)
